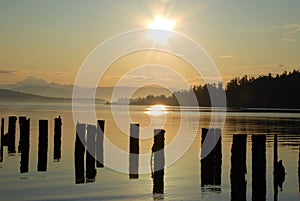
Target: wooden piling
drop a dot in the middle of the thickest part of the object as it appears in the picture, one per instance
(275, 151)
(24, 143)
(2, 140)
(211, 165)
(217, 157)
(79, 153)
(275, 161)
(11, 134)
(299, 169)
(90, 154)
(278, 170)
(43, 145)
(207, 163)
(57, 139)
(258, 167)
(134, 151)
(159, 161)
(238, 168)
(21, 119)
(99, 144)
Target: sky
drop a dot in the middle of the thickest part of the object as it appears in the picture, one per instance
(50, 39)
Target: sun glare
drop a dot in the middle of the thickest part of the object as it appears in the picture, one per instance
(156, 110)
(161, 29)
(162, 23)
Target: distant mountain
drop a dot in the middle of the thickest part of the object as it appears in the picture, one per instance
(40, 87)
(31, 81)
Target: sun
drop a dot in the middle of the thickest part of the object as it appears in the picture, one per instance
(161, 29)
(162, 23)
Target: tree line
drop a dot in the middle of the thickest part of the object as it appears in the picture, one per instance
(265, 91)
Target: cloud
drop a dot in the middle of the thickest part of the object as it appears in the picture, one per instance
(62, 73)
(276, 27)
(265, 66)
(7, 72)
(288, 31)
(292, 26)
(262, 29)
(227, 56)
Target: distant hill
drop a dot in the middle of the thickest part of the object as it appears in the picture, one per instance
(14, 96)
(40, 87)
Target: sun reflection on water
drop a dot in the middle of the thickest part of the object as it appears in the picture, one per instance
(156, 110)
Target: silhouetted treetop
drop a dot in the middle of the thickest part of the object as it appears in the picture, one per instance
(281, 91)
(265, 91)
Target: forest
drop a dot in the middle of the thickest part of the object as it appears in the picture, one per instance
(265, 91)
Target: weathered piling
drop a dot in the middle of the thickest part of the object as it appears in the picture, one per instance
(11, 134)
(238, 168)
(43, 145)
(275, 161)
(79, 153)
(211, 165)
(24, 143)
(218, 157)
(99, 144)
(159, 161)
(2, 140)
(57, 139)
(21, 119)
(275, 152)
(299, 169)
(258, 167)
(278, 170)
(90, 154)
(134, 151)
(207, 163)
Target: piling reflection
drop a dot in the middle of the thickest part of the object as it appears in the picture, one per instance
(238, 168)
(2, 140)
(158, 197)
(24, 143)
(99, 144)
(90, 153)
(258, 167)
(159, 161)
(57, 138)
(89, 142)
(79, 153)
(211, 165)
(299, 169)
(21, 119)
(278, 171)
(134, 151)
(11, 137)
(43, 146)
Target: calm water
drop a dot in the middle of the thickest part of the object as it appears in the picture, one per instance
(182, 179)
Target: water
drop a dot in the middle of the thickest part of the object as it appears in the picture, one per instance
(182, 179)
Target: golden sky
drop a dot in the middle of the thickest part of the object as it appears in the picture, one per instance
(51, 39)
